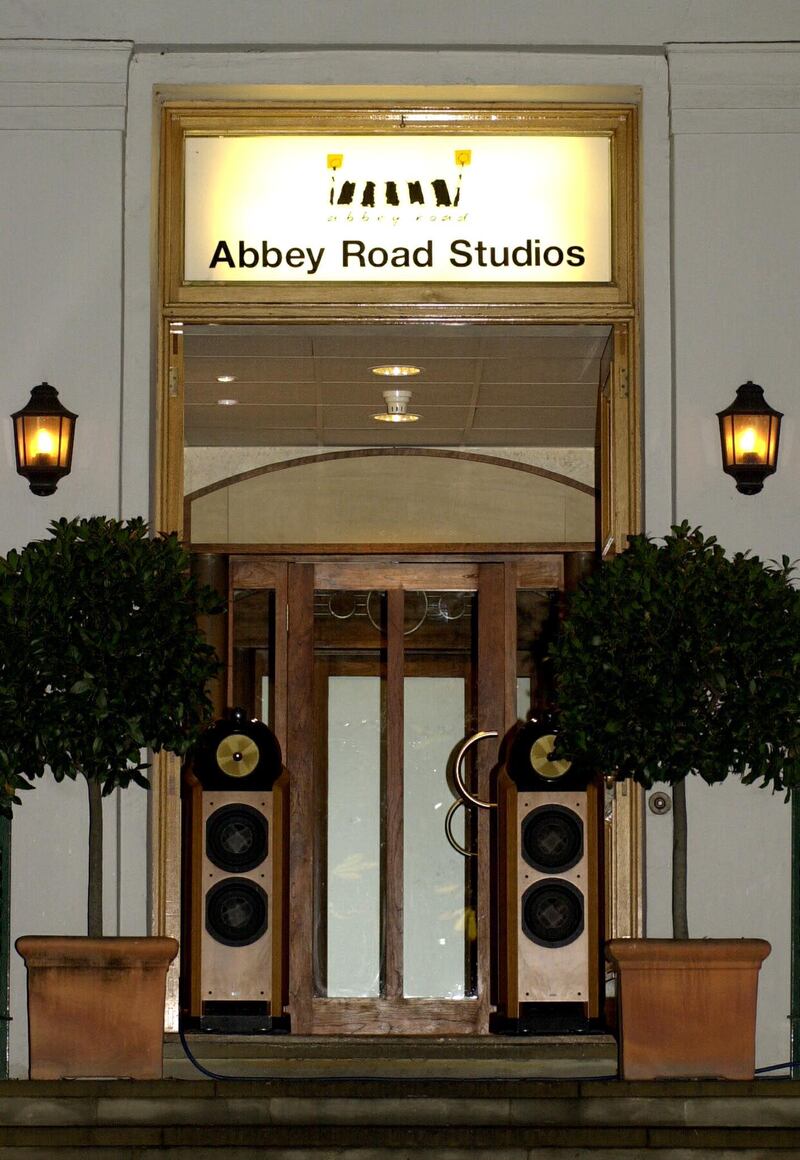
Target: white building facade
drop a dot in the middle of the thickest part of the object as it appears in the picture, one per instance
(718, 87)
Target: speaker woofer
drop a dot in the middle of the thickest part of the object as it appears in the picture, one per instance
(236, 912)
(552, 839)
(552, 913)
(237, 838)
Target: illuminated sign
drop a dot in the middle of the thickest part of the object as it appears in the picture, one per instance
(405, 208)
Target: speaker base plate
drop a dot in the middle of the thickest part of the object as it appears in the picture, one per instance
(236, 1024)
(547, 1019)
(242, 1017)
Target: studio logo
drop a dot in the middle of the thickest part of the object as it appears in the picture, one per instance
(417, 191)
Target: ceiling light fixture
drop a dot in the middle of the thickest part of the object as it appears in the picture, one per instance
(396, 408)
(226, 378)
(396, 371)
(227, 402)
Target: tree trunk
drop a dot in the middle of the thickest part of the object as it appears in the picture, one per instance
(680, 920)
(95, 892)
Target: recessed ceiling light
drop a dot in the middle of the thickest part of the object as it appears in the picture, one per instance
(396, 371)
(396, 408)
(227, 402)
(226, 378)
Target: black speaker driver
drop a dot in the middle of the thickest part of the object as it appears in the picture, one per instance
(552, 913)
(552, 839)
(237, 838)
(236, 912)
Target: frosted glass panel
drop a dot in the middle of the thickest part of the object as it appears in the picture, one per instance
(439, 920)
(523, 698)
(265, 700)
(353, 836)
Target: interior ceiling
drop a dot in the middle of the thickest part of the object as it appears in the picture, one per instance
(480, 386)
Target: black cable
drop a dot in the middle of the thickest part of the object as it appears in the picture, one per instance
(363, 1078)
(778, 1066)
(199, 1066)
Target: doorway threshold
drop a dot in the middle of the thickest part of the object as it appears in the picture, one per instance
(394, 1057)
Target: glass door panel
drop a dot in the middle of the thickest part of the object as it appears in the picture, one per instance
(254, 652)
(257, 642)
(350, 745)
(439, 928)
(537, 626)
(439, 917)
(353, 833)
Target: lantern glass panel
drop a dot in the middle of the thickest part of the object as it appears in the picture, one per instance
(726, 428)
(751, 439)
(45, 441)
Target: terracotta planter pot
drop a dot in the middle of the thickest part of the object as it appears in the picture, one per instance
(687, 1007)
(96, 1005)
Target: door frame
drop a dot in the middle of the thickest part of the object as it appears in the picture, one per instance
(392, 1012)
(294, 581)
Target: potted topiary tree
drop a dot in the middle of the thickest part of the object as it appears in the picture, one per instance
(676, 659)
(100, 658)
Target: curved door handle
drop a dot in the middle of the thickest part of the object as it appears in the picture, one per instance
(459, 776)
(448, 829)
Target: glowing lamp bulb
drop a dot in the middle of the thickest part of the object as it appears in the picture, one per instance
(747, 440)
(43, 443)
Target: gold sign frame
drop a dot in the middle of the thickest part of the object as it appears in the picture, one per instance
(447, 299)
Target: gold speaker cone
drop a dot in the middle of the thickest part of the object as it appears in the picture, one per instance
(237, 755)
(540, 758)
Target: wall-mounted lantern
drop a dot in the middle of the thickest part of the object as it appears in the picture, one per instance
(43, 437)
(749, 431)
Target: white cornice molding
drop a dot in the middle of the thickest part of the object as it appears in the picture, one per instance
(47, 84)
(371, 24)
(737, 88)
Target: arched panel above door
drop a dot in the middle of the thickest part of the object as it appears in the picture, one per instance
(389, 496)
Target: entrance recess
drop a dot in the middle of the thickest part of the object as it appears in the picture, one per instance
(385, 668)
(327, 663)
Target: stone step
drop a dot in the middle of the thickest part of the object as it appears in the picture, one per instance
(407, 1057)
(432, 1119)
(243, 1143)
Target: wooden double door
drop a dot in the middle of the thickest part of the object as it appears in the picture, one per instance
(372, 672)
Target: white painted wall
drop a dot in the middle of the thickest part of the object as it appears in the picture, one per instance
(736, 175)
(62, 115)
(643, 24)
(65, 196)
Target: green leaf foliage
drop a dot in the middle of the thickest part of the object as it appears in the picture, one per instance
(676, 659)
(100, 654)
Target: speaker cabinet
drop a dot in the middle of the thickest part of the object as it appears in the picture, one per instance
(234, 972)
(549, 891)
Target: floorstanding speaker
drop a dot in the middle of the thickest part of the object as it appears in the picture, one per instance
(235, 897)
(550, 889)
